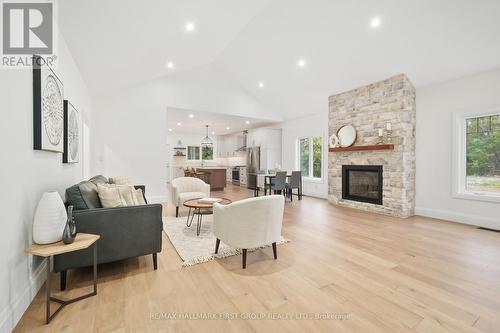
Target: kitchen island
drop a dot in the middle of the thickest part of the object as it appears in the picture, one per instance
(216, 178)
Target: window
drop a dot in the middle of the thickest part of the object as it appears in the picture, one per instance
(196, 153)
(310, 157)
(207, 153)
(477, 162)
(193, 153)
(483, 154)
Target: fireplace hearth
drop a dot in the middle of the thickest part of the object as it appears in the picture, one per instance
(362, 183)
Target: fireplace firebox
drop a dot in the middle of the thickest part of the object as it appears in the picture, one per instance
(362, 183)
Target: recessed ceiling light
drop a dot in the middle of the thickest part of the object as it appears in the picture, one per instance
(178, 124)
(301, 63)
(170, 130)
(247, 122)
(190, 26)
(375, 22)
(261, 84)
(191, 115)
(169, 65)
(228, 128)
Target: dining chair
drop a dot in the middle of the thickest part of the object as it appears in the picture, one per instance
(271, 180)
(295, 182)
(280, 183)
(259, 182)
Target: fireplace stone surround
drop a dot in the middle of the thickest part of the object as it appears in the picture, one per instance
(368, 109)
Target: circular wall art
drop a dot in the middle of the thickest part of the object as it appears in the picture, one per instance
(71, 133)
(73, 138)
(347, 135)
(52, 104)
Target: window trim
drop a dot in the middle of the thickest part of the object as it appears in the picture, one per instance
(459, 157)
(310, 178)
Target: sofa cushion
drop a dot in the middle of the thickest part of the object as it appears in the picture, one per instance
(100, 179)
(83, 196)
(183, 197)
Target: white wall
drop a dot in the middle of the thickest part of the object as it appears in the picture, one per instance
(435, 107)
(309, 126)
(25, 175)
(131, 123)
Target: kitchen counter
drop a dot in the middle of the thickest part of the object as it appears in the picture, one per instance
(217, 178)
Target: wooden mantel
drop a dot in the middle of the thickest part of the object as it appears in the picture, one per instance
(360, 148)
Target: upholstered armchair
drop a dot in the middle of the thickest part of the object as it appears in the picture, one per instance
(187, 188)
(249, 223)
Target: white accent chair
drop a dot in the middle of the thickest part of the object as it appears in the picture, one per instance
(188, 188)
(249, 223)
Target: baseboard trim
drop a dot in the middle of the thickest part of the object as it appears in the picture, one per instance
(12, 314)
(476, 220)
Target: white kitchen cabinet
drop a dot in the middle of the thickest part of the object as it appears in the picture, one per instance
(228, 144)
(269, 141)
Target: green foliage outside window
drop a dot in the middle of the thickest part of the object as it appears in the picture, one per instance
(310, 156)
(317, 157)
(207, 153)
(483, 153)
(304, 156)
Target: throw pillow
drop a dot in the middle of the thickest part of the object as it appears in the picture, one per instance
(109, 196)
(139, 196)
(120, 180)
(127, 194)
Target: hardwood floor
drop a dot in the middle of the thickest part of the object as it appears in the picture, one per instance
(385, 274)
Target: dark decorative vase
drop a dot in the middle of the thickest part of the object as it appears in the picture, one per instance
(69, 233)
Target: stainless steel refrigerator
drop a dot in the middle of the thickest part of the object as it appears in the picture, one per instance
(253, 165)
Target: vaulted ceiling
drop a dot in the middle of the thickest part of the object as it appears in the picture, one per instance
(125, 42)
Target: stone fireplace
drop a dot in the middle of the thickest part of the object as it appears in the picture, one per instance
(381, 181)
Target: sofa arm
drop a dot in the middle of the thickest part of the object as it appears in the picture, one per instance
(125, 232)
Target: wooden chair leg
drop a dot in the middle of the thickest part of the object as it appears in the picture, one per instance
(176, 211)
(275, 251)
(244, 258)
(155, 261)
(217, 243)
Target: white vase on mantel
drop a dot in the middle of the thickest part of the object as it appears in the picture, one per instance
(50, 219)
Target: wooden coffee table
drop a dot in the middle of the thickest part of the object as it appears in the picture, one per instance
(201, 209)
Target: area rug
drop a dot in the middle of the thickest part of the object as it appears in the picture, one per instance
(194, 249)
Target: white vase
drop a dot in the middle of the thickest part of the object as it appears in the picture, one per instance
(50, 219)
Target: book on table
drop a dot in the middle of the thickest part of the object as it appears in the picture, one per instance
(209, 200)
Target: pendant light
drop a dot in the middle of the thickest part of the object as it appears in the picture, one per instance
(207, 141)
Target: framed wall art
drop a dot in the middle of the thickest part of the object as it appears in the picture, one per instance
(71, 133)
(48, 114)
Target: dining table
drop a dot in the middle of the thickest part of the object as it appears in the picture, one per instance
(267, 177)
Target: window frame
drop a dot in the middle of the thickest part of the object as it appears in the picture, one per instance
(459, 158)
(200, 153)
(310, 177)
(187, 153)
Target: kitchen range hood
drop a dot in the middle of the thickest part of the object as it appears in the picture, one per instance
(244, 143)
